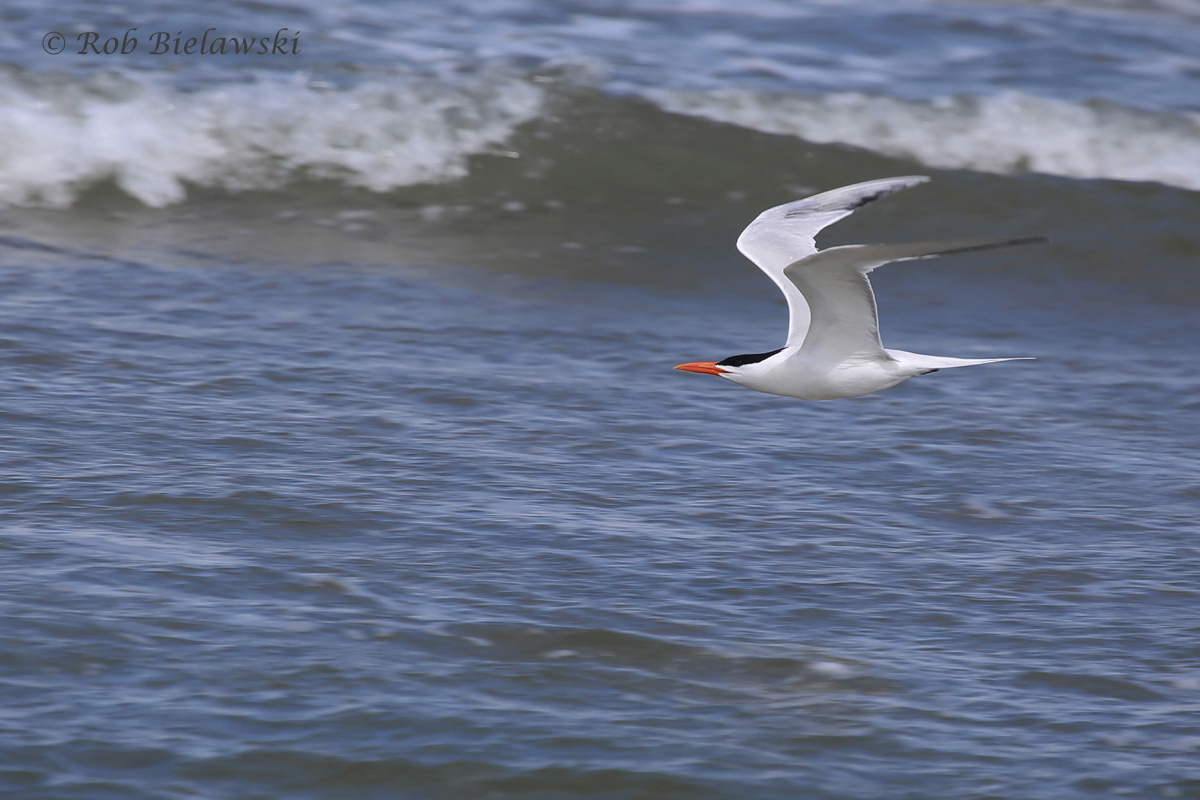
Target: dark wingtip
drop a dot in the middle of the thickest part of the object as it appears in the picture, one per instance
(1020, 240)
(854, 196)
(971, 245)
(914, 180)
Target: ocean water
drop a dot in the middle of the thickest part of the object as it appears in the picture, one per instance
(341, 454)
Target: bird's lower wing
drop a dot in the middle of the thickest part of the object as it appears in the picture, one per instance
(845, 321)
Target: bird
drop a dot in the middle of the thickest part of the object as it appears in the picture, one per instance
(833, 349)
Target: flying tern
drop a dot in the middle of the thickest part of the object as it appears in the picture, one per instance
(833, 348)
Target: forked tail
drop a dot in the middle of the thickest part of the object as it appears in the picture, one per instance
(922, 363)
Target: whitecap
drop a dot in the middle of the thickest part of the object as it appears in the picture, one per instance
(1010, 132)
(57, 139)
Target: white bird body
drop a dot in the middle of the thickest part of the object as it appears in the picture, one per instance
(793, 373)
(833, 349)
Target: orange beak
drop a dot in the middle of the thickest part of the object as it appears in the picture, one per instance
(706, 367)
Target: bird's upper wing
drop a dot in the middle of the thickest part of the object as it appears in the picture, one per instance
(845, 322)
(786, 234)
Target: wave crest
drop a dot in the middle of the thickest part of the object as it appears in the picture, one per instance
(59, 138)
(1005, 133)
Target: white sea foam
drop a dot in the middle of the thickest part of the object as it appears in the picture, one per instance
(57, 139)
(1006, 133)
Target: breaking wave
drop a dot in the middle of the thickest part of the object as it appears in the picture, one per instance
(59, 137)
(1005, 133)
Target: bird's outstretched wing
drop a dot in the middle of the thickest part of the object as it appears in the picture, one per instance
(845, 322)
(785, 234)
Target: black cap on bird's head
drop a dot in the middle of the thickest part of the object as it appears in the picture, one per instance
(716, 367)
